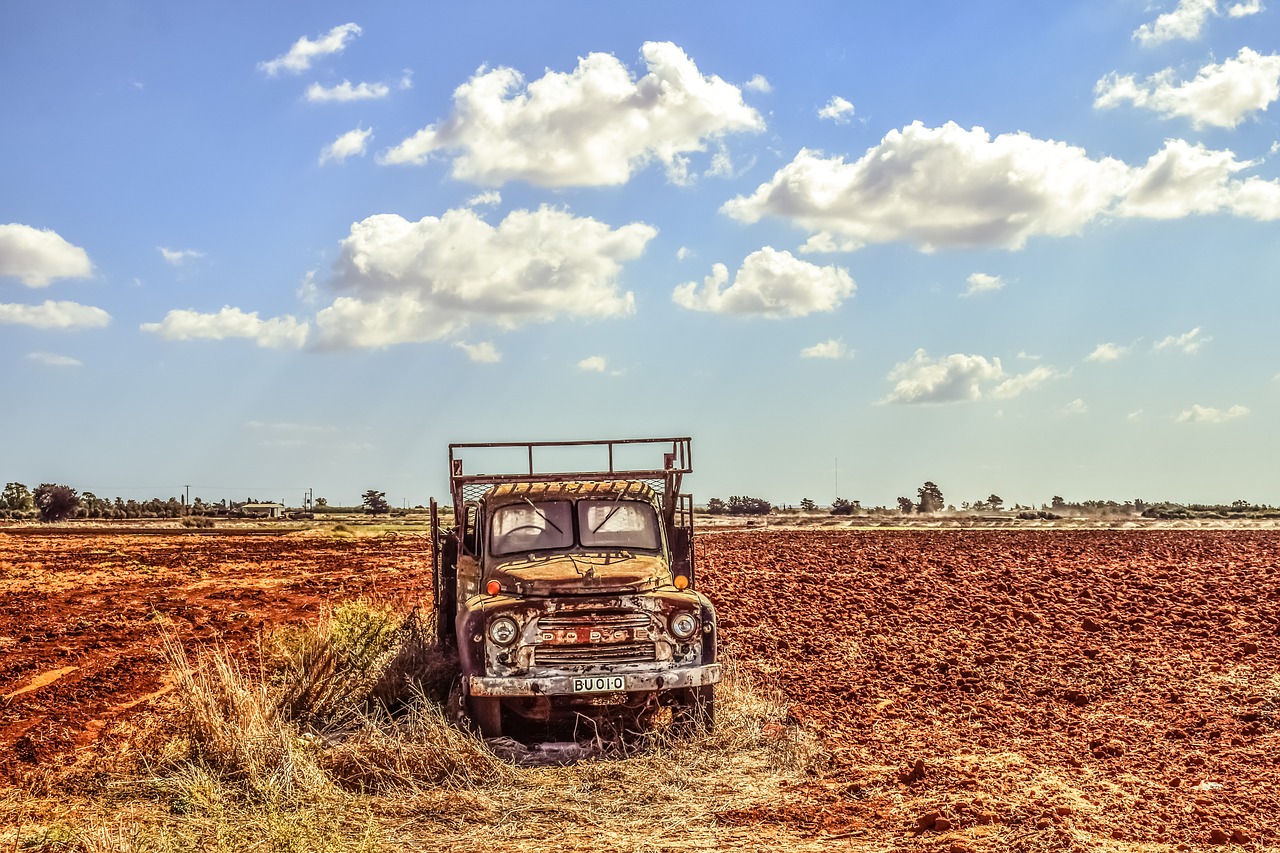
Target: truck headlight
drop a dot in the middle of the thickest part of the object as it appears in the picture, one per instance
(683, 625)
(503, 630)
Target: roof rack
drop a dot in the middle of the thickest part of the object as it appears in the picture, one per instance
(676, 460)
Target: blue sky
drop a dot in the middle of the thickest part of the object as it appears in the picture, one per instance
(1027, 249)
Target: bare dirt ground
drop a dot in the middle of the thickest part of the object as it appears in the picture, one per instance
(1032, 686)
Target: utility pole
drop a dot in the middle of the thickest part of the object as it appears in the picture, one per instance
(186, 500)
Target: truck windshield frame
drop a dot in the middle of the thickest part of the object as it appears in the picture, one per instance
(525, 527)
(617, 524)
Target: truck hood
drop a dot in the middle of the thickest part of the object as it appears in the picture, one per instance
(615, 571)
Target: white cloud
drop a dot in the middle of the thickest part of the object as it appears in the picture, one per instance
(941, 187)
(981, 282)
(50, 359)
(422, 281)
(950, 188)
(481, 353)
(683, 253)
(1076, 407)
(406, 79)
(54, 315)
(1135, 415)
(825, 243)
(1023, 382)
(593, 364)
(1189, 342)
(1209, 415)
(1184, 179)
(178, 257)
(485, 199)
(591, 127)
(1106, 352)
(37, 256)
(344, 91)
(769, 284)
(838, 110)
(305, 51)
(1219, 96)
(1184, 22)
(950, 379)
(833, 348)
(960, 378)
(183, 325)
(350, 144)
(1242, 10)
(758, 83)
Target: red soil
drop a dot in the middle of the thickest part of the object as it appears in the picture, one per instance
(1038, 684)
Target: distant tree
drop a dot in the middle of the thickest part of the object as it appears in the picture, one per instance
(715, 506)
(321, 503)
(1058, 502)
(930, 497)
(55, 502)
(375, 502)
(906, 506)
(807, 505)
(995, 502)
(744, 505)
(16, 497)
(840, 506)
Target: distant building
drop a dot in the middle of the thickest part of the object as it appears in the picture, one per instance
(269, 510)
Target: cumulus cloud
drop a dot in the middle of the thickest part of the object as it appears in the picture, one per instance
(1076, 407)
(769, 284)
(344, 91)
(350, 144)
(940, 187)
(406, 282)
(950, 379)
(305, 51)
(758, 83)
(54, 315)
(1023, 382)
(485, 199)
(1184, 22)
(50, 359)
(981, 282)
(184, 325)
(1242, 10)
(593, 126)
(481, 353)
(1106, 352)
(1209, 415)
(959, 378)
(838, 110)
(37, 256)
(593, 364)
(178, 257)
(950, 188)
(833, 348)
(1190, 342)
(1220, 95)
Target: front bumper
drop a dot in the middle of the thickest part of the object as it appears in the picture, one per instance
(562, 685)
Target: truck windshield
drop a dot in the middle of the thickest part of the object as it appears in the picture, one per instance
(544, 526)
(617, 524)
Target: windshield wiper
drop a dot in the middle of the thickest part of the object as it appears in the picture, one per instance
(609, 515)
(543, 516)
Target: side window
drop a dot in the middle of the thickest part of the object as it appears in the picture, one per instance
(471, 534)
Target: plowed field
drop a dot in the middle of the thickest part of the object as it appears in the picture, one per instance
(1045, 683)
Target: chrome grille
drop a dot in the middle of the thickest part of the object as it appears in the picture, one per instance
(594, 653)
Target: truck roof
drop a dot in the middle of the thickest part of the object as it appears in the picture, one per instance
(610, 489)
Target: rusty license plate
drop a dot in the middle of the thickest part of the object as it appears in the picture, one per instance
(598, 684)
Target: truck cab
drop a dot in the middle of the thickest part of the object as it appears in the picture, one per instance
(571, 596)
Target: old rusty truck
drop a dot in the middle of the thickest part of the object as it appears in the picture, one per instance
(570, 597)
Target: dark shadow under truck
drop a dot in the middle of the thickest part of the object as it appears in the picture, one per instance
(570, 597)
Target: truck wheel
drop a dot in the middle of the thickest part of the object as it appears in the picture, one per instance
(486, 712)
(695, 709)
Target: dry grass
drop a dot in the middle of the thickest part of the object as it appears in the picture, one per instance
(333, 742)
